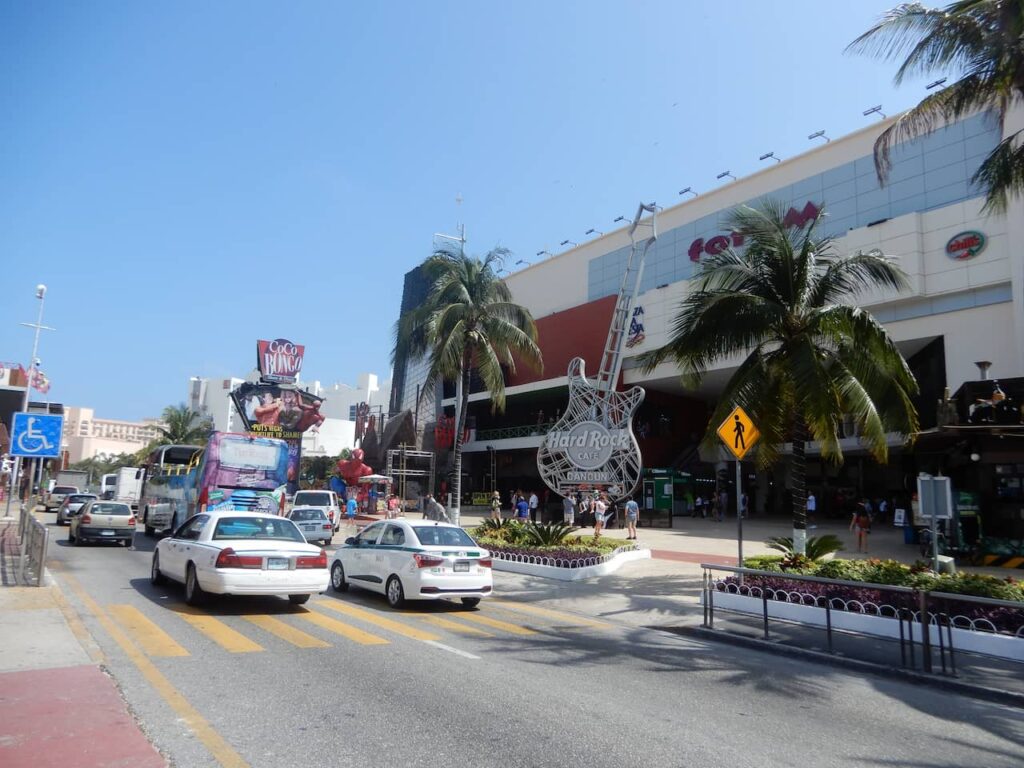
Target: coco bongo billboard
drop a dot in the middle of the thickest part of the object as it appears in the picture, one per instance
(279, 360)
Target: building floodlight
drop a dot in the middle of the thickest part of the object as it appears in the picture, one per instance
(684, 190)
(769, 155)
(875, 110)
(568, 242)
(935, 84)
(723, 174)
(819, 135)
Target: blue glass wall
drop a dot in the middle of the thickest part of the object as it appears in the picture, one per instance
(926, 174)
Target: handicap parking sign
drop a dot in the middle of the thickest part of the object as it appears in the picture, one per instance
(36, 435)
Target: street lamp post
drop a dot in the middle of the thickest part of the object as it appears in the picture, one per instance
(32, 368)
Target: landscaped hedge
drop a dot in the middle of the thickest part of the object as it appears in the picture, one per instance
(510, 543)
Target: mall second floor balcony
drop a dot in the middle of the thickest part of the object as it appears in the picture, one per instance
(507, 438)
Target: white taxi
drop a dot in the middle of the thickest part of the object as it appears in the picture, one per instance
(407, 560)
(240, 553)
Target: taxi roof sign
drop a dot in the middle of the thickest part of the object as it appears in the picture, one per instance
(738, 433)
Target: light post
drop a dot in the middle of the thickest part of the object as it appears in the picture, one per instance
(32, 368)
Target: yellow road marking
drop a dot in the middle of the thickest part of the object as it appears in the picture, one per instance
(340, 628)
(454, 626)
(154, 641)
(287, 632)
(221, 751)
(1014, 562)
(380, 621)
(77, 627)
(547, 613)
(504, 626)
(215, 629)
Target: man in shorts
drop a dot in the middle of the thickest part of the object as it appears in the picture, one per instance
(632, 515)
(522, 510)
(350, 510)
(569, 510)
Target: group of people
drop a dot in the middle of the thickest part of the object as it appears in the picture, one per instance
(603, 510)
(524, 508)
(716, 505)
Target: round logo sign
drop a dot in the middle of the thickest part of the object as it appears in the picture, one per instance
(966, 245)
(588, 445)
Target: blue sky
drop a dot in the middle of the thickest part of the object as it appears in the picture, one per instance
(189, 177)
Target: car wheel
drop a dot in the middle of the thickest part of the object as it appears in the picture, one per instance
(395, 592)
(298, 599)
(471, 602)
(194, 594)
(156, 578)
(338, 578)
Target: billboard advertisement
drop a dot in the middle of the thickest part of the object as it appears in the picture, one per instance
(279, 360)
(276, 410)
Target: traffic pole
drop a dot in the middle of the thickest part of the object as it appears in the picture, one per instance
(739, 513)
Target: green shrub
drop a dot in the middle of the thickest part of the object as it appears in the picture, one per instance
(547, 535)
(817, 546)
(764, 562)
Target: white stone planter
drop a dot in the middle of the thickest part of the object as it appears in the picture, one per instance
(610, 565)
(987, 643)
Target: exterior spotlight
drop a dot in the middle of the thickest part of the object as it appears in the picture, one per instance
(876, 110)
(819, 135)
(543, 253)
(568, 242)
(593, 231)
(723, 174)
(770, 155)
(687, 189)
(935, 84)
(522, 261)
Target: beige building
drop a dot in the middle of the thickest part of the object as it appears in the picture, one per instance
(86, 436)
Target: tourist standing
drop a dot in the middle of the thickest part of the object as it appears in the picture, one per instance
(600, 506)
(522, 509)
(632, 514)
(723, 503)
(533, 507)
(495, 506)
(569, 510)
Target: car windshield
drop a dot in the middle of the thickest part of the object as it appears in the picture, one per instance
(64, 489)
(316, 499)
(436, 535)
(80, 498)
(105, 508)
(257, 528)
(308, 514)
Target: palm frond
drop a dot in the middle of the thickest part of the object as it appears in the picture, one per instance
(1002, 173)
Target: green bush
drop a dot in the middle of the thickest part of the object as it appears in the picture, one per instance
(547, 535)
(817, 546)
(764, 562)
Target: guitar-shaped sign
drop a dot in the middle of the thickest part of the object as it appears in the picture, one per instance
(592, 444)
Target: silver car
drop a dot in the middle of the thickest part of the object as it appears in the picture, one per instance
(71, 504)
(313, 523)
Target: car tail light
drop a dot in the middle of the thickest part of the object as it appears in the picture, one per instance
(327, 526)
(228, 558)
(86, 520)
(131, 520)
(312, 561)
(427, 561)
(485, 562)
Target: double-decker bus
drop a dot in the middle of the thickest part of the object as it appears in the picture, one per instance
(233, 471)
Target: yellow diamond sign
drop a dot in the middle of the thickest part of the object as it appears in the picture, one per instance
(738, 433)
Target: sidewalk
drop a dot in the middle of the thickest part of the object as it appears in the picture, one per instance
(50, 674)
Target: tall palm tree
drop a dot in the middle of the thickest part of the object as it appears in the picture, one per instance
(983, 41)
(467, 324)
(786, 302)
(183, 426)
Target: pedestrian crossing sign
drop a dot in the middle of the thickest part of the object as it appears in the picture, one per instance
(738, 433)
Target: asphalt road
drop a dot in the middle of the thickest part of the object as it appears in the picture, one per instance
(504, 685)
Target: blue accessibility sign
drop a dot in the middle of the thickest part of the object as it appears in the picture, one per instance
(36, 435)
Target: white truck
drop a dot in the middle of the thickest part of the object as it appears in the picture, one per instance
(128, 486)
(68, 481)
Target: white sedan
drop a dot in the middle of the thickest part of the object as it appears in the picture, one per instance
(415, 561)
(314, 524)
(240, 553)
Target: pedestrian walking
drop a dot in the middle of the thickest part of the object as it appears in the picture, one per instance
(522, 510)
(600, 507)
(698, 507)
(583, 506)
(495, 506)
(861, 525)
(632, 515)
(350, 511)
(434, 510)
(393, 506)
(533, 501)
(569, 510)
(723, 504)
(744, 502)
(812, 507)
(883, 510)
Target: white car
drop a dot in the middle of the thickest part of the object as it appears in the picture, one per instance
(325, 500)
(313, 523)
(240, 553)
(72, 503)
(422, 560)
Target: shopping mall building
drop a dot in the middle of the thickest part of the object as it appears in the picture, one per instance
(965, 304)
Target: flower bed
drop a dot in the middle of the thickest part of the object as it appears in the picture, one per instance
(557, 557)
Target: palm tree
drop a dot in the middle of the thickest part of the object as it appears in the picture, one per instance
(984, 41)
(467, 324)
(183, 426)
(811, 354)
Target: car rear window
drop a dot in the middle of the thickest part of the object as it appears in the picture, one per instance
(277, 528)
(313, 499)
(80, 498)
(104, 508)
(64, 489)
(436, 535)
(308, 514)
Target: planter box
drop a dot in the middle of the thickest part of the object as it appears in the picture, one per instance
(987, 643)
(572, 574)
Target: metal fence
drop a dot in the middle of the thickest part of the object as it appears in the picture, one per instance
(925, 620)
(33, 538)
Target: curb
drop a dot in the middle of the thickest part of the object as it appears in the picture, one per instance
(995, 695)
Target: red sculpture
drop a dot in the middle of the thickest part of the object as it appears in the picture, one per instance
(353, 468)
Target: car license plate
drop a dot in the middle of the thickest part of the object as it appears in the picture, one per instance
(106, 533)
(277, 563)
(461, 566)
(309, 527)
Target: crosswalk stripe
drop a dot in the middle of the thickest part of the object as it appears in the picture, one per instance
(287, 632)
(455, 626)
(340, 628)
(504, 626)
(227, 638)
(380, 621)
(153, 640)
(547, 613)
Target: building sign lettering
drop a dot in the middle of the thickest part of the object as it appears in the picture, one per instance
(636, 327)
(966, 245)
(279, 360)
(715, 245)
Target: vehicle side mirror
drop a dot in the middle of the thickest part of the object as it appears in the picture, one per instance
(350, 540)
(138, 474)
